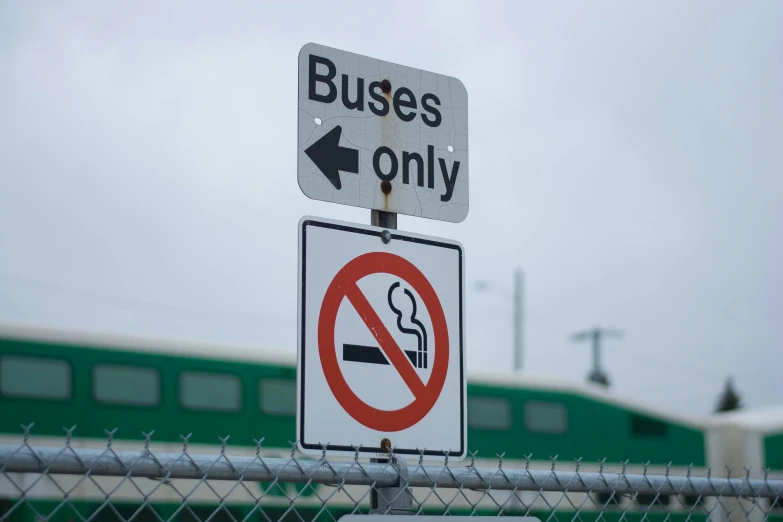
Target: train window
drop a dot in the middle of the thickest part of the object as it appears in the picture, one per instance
(131, 385)
(491, 413)
(693, 500)
(210, 391)
(277, 396)
(608, 499)
(649, 499)
(34, 377)
(546, 417)
(642, 426)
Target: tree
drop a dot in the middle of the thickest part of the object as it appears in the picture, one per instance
(729, 398)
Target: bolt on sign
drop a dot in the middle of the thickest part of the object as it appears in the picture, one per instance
(381, 341)
(382, 136)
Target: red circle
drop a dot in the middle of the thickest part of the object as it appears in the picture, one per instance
(350, 274)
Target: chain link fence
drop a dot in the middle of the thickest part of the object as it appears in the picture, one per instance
(77, 480)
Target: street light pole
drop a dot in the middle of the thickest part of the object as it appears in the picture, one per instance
(518, 315)
(518, 318)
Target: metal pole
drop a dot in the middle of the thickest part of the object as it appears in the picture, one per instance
(596, 351)
(379, 218)
(518, 320)
(397, 499)
(393, 500)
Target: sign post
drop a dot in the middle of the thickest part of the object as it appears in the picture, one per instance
(381, 340)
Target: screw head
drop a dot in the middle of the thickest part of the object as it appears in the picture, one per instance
(386, 86)
(385, 237)
(386, 187)
(386, 445)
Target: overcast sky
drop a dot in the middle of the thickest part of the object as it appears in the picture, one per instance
(627, 155)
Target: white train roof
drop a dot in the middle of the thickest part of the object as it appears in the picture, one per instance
(584, 389)
(164, 345)
(237, 352)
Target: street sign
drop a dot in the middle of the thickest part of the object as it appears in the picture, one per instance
(382, 136)
(381, 341)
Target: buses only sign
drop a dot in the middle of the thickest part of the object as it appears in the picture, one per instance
(381, 351)
(378, 135)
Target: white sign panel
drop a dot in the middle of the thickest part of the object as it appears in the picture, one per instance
(378, 135)
(381, 341)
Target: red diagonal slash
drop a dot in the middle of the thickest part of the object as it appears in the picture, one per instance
(385, 339)
(344, 286)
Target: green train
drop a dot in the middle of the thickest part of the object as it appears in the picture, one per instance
(99, 383)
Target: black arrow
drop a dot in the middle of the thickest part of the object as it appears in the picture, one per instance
(330, 158)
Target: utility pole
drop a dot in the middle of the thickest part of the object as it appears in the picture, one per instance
(597, 375)
(518, 314)
(518, 318)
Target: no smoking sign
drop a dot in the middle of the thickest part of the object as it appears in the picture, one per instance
(381, 348)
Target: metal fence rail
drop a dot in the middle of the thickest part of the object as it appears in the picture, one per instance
(145, 464)
(74, 483)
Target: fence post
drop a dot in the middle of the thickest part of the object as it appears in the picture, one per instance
(393, 500)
